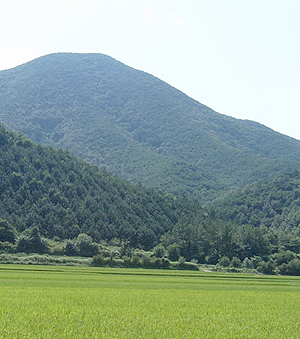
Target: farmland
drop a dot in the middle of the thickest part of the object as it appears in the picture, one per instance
(83, 302)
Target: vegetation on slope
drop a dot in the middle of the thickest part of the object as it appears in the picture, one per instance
(139, 127)
(64, 197)
(51, 202)
(273, 203)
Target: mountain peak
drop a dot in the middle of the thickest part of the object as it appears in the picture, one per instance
(138, 126)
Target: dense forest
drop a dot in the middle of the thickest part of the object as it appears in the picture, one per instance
(52, 202)
(139, 127)
(161, 178)
(63, 197)
(273, 203)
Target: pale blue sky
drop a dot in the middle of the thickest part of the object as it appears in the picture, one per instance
(239, 57)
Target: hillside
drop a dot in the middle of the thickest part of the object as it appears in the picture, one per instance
(274, 203)
(50, 193)
(139, 127)
(63, 197)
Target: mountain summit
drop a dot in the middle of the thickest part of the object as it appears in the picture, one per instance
(139, 127)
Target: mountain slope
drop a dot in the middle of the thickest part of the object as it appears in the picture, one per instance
(139, 127)
(274, 203)
(63, 196)
(48, 191)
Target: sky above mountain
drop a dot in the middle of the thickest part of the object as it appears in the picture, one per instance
(241, 58)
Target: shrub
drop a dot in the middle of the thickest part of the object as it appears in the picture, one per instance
(284, 257)
(173, 252)
(98, 261)
(159, 251)
(266, 267)
(186, 266)
(70, 248)
(224, 262)
(293, 267)
(236, 262)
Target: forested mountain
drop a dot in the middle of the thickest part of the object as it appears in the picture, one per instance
(50, 193)
(274, 203)
(64, 197)
(139, 127)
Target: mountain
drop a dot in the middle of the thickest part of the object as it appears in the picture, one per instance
(64, 197)
(274, 203)
(50, 193)
(139, 127)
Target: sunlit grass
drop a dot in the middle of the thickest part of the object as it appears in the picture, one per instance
(65, 302)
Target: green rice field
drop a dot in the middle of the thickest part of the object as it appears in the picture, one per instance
(81, 302)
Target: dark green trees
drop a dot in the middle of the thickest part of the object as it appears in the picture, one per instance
(56, 195)
(7, 233)
(31, 242)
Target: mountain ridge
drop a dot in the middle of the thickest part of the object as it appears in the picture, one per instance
(138, 126)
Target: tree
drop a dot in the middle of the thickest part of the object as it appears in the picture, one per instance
(126, 249)
(159, 251)
(37, 244)
(31, 241)
(224, 262)
(173, 252)
(85, 245)
(6, 231)
(294, 267)
(236, 262)
(70, 248)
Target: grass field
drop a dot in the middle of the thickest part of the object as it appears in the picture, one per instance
(80, 302)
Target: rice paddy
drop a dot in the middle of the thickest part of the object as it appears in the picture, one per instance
(80, 302)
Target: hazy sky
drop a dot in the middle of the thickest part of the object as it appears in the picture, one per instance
(239, 57)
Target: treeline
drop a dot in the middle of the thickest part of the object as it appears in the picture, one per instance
(51, 202)
(273, 203)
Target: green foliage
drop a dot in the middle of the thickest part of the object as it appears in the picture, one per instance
(266, 267)
(159, 251)
(183, 265)
(173, 252)
(70, 248)
(42, 259)
(47, 193)
(293, 267)
(138, 127)
(271, 209)
(57, 195)
(85, 246)
(126, 249)
(236, 262)
(283, 257)
(224, 261)
(32, 242)
(7, 233)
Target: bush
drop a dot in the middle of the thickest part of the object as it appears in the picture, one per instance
(224, 262)
(266, 267)
(247, 263)
(85, 245)
(173, 252)
(7, 247)
(293, 267)
(99, 261)
(69, 248)
(186, 266)
(284, 257)
(236, 262)
(126, 249)
(159, 251)
(146, 262)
